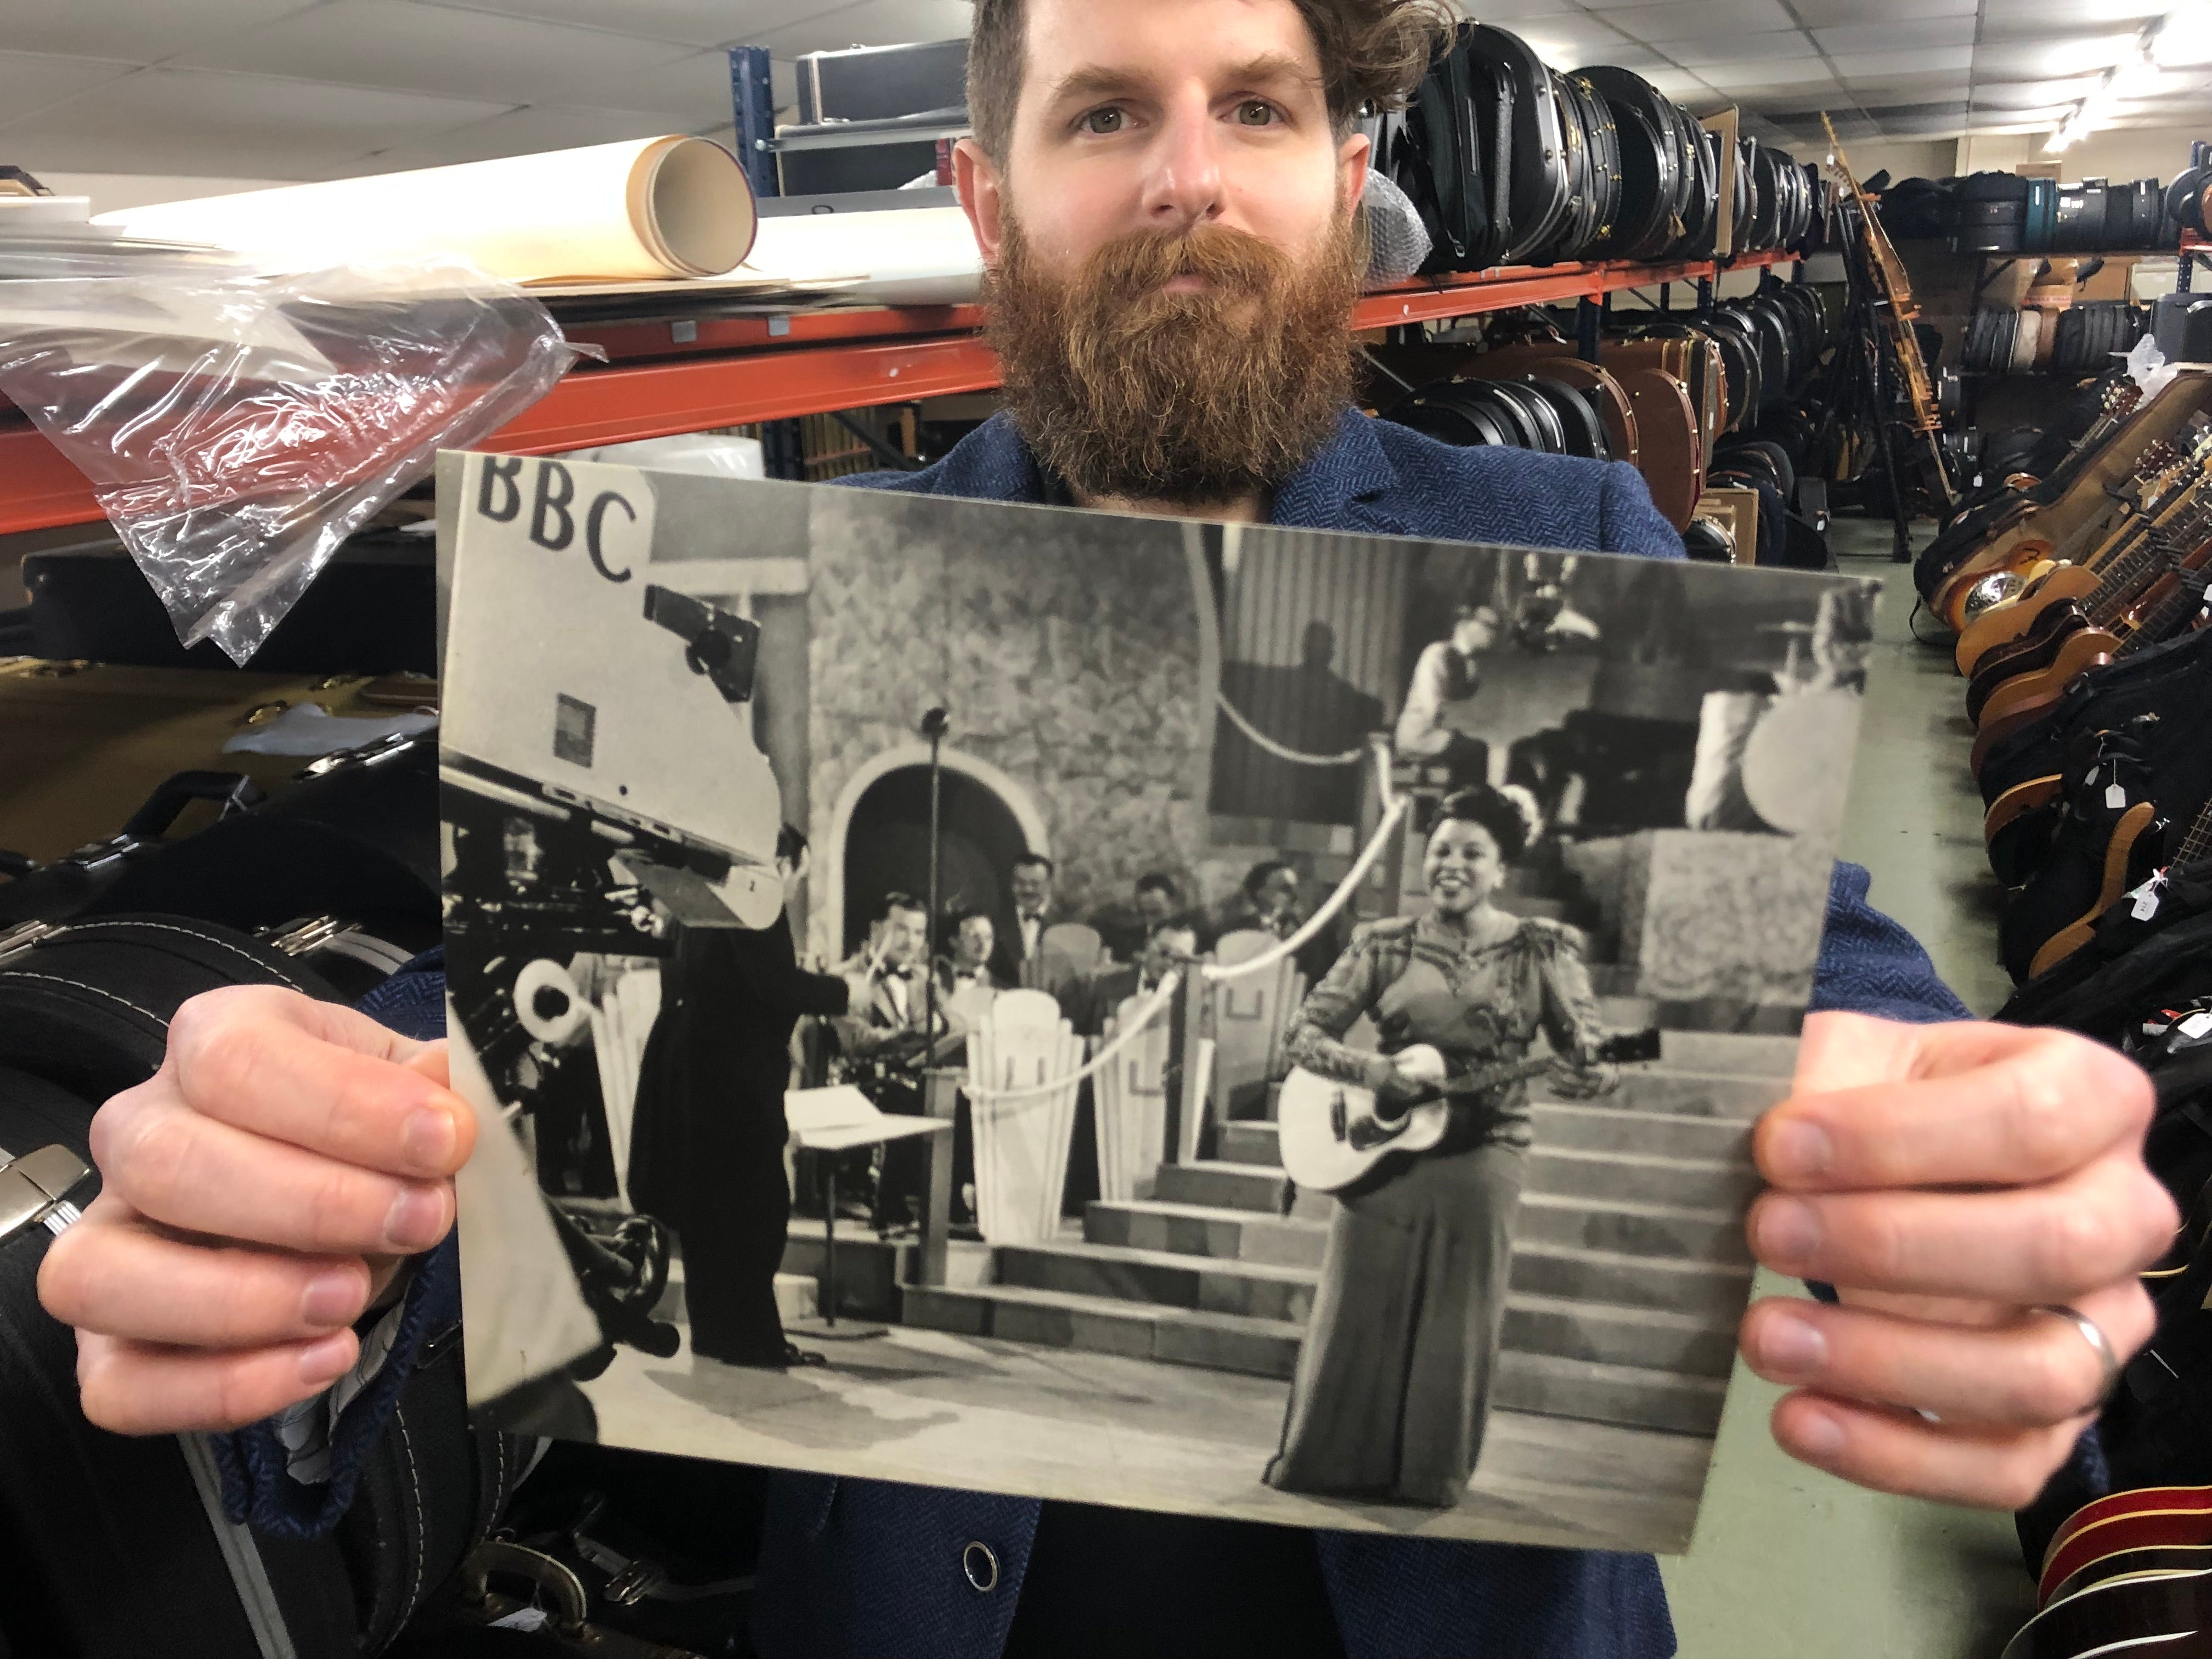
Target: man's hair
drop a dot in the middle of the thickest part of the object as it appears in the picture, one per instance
(1037, 861)
(1256, 877)
(903, 902)
(1371, 52)
(966, 914)
(1159, 881)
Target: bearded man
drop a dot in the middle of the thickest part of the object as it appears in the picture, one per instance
(1164, 191)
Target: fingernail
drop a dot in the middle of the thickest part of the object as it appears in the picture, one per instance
(1797, 1150)
(428, 1138)
(1787, 1232)
(1792, 1346)
(332, 1298)
(1820, 1437)
(417, 1220)
(323, 1362)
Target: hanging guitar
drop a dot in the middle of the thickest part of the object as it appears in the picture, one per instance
(1331, 1133)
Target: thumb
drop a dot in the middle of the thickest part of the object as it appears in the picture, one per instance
(431, 1061)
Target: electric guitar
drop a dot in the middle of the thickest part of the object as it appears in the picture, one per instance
(1331, 1135)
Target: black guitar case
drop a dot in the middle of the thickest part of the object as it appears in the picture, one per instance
(1532, 142)
(1442, 153)
(117, 1547)
(1648, 215)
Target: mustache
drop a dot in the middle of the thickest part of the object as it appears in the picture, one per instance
(1230, 263)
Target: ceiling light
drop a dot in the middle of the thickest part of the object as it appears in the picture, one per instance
(2183, 36)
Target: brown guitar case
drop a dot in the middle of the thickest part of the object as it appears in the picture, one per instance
(1671, 454)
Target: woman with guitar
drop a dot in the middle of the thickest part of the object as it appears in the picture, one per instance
(1394, 1379)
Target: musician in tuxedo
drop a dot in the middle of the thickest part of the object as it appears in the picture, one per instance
(707, 1133)
(1125, 928)
(975, 942)
(1019, 958)
(1091, 1001)
(1394, 1376)
(885, 1037)
(1271, 901)
(1436, 723)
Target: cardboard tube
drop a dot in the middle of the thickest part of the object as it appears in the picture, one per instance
(639, 210)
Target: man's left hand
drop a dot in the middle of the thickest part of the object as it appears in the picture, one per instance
(1949, 1180)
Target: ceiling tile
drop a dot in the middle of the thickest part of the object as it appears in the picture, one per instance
(1680, 83)
(1833, 14)
(421, 48)
(1746, 47)
(241, 126)
(1899, 34)
(870, 23)
(687, 22)
(689, 93)
(31, 82)
(137, 33)
(512, 132)
(1690, 20)
(1792, 80)
(2023, 19)
(1951, 62)
(1571, 39)
(1620, 55)
(2043, 57)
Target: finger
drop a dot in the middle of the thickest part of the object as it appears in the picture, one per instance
(189, 1172)
(135, 1387)
(2027, 1371)
(1980, 1112)
(124, 1278)
(320, 1077)
(2022, 1245)
(1837, 1050)
(1898, 1452)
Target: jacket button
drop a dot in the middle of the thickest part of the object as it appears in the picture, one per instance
(980, 1566)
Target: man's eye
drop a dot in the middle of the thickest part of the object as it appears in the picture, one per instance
(1102, 121)
(1255, 113)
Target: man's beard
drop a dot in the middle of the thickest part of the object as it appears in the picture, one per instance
(1197, 399)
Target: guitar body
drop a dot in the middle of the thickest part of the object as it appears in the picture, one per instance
(1321, 1122)
(2145, 1518)
(2036, 691)
(2168, 1614)
(2006, 623)
(2119, 853)
(2035, 650)
(1998, 725)
(2002, 564)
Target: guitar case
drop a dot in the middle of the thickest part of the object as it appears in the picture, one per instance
(1655, 165)
(1701, 193)
(117, 1545)
(2040, 217)
(1445, 152)
(1530, 144)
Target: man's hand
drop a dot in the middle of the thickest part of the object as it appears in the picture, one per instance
(1947, 1179)
(257, 1194)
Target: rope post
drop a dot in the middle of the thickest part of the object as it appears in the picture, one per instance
(1182, 1027)
(940, 1098)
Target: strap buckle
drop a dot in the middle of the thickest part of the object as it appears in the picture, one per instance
(24, 937)
(35, 1188)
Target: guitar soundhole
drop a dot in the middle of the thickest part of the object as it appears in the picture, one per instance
(1336, 1125)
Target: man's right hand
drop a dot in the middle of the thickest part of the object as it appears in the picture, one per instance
(257, 1193)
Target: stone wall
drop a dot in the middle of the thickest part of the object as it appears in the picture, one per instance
(1067, 648)
(1711, 914)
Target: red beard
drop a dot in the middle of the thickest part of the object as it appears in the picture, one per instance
(1197, 399)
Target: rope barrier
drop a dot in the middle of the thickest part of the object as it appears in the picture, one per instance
(1161, 996)
(1349, 758)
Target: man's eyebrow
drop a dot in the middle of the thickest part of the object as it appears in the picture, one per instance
(1101, 81)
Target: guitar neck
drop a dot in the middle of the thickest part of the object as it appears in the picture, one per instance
(2197, 843)
(1491, 1077)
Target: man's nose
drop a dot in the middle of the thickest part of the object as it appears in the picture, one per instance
(1183, 182)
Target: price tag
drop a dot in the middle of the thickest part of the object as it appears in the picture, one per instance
(2115, 796)
(522, 1619)
(2146, 898)
(2197, 1024)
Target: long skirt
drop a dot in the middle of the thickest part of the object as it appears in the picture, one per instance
(1394, 1376)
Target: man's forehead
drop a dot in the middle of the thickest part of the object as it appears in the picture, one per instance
(1089, 48)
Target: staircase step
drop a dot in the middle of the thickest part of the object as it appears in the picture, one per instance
(1257, 1290)
(1604, 1127)
(1664, 1088)
(1224, 1186)
(1717, 1288)
(1659, 1339)
(1596, 1392)
(1649, 1177)
(1203, 1230)
(1730, 1054)
(1255, 1143)
(1634, 1228)
(1062, 1319)
(1623, 1012)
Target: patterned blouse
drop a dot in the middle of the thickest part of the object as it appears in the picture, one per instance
(1479, 1004)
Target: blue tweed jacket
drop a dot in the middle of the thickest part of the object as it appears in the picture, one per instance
(871, 1570)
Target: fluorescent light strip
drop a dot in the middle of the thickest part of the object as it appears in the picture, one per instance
(2183, 36)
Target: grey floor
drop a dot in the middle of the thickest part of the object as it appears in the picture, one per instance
(1787, 1561)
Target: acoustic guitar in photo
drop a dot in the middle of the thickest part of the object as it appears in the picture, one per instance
(1331, 1133)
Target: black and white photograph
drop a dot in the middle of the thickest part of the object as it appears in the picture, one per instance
(1207, 1018)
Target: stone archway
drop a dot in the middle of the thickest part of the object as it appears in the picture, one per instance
(878, 837)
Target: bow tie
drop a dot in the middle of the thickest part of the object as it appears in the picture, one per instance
(888, 971)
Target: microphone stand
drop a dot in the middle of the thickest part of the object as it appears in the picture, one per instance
(934, 725)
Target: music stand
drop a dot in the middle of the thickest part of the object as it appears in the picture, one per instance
(837, 1120)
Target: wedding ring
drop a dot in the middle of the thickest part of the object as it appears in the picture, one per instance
(2100, 1344)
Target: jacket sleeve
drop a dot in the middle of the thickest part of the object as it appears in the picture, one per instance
(260, 1487)
(1871, 965)
(1628, 522)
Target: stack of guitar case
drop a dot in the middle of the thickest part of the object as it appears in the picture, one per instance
(2079, 599)
(2004, 213)
(2077, 339)
(1512, 163)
